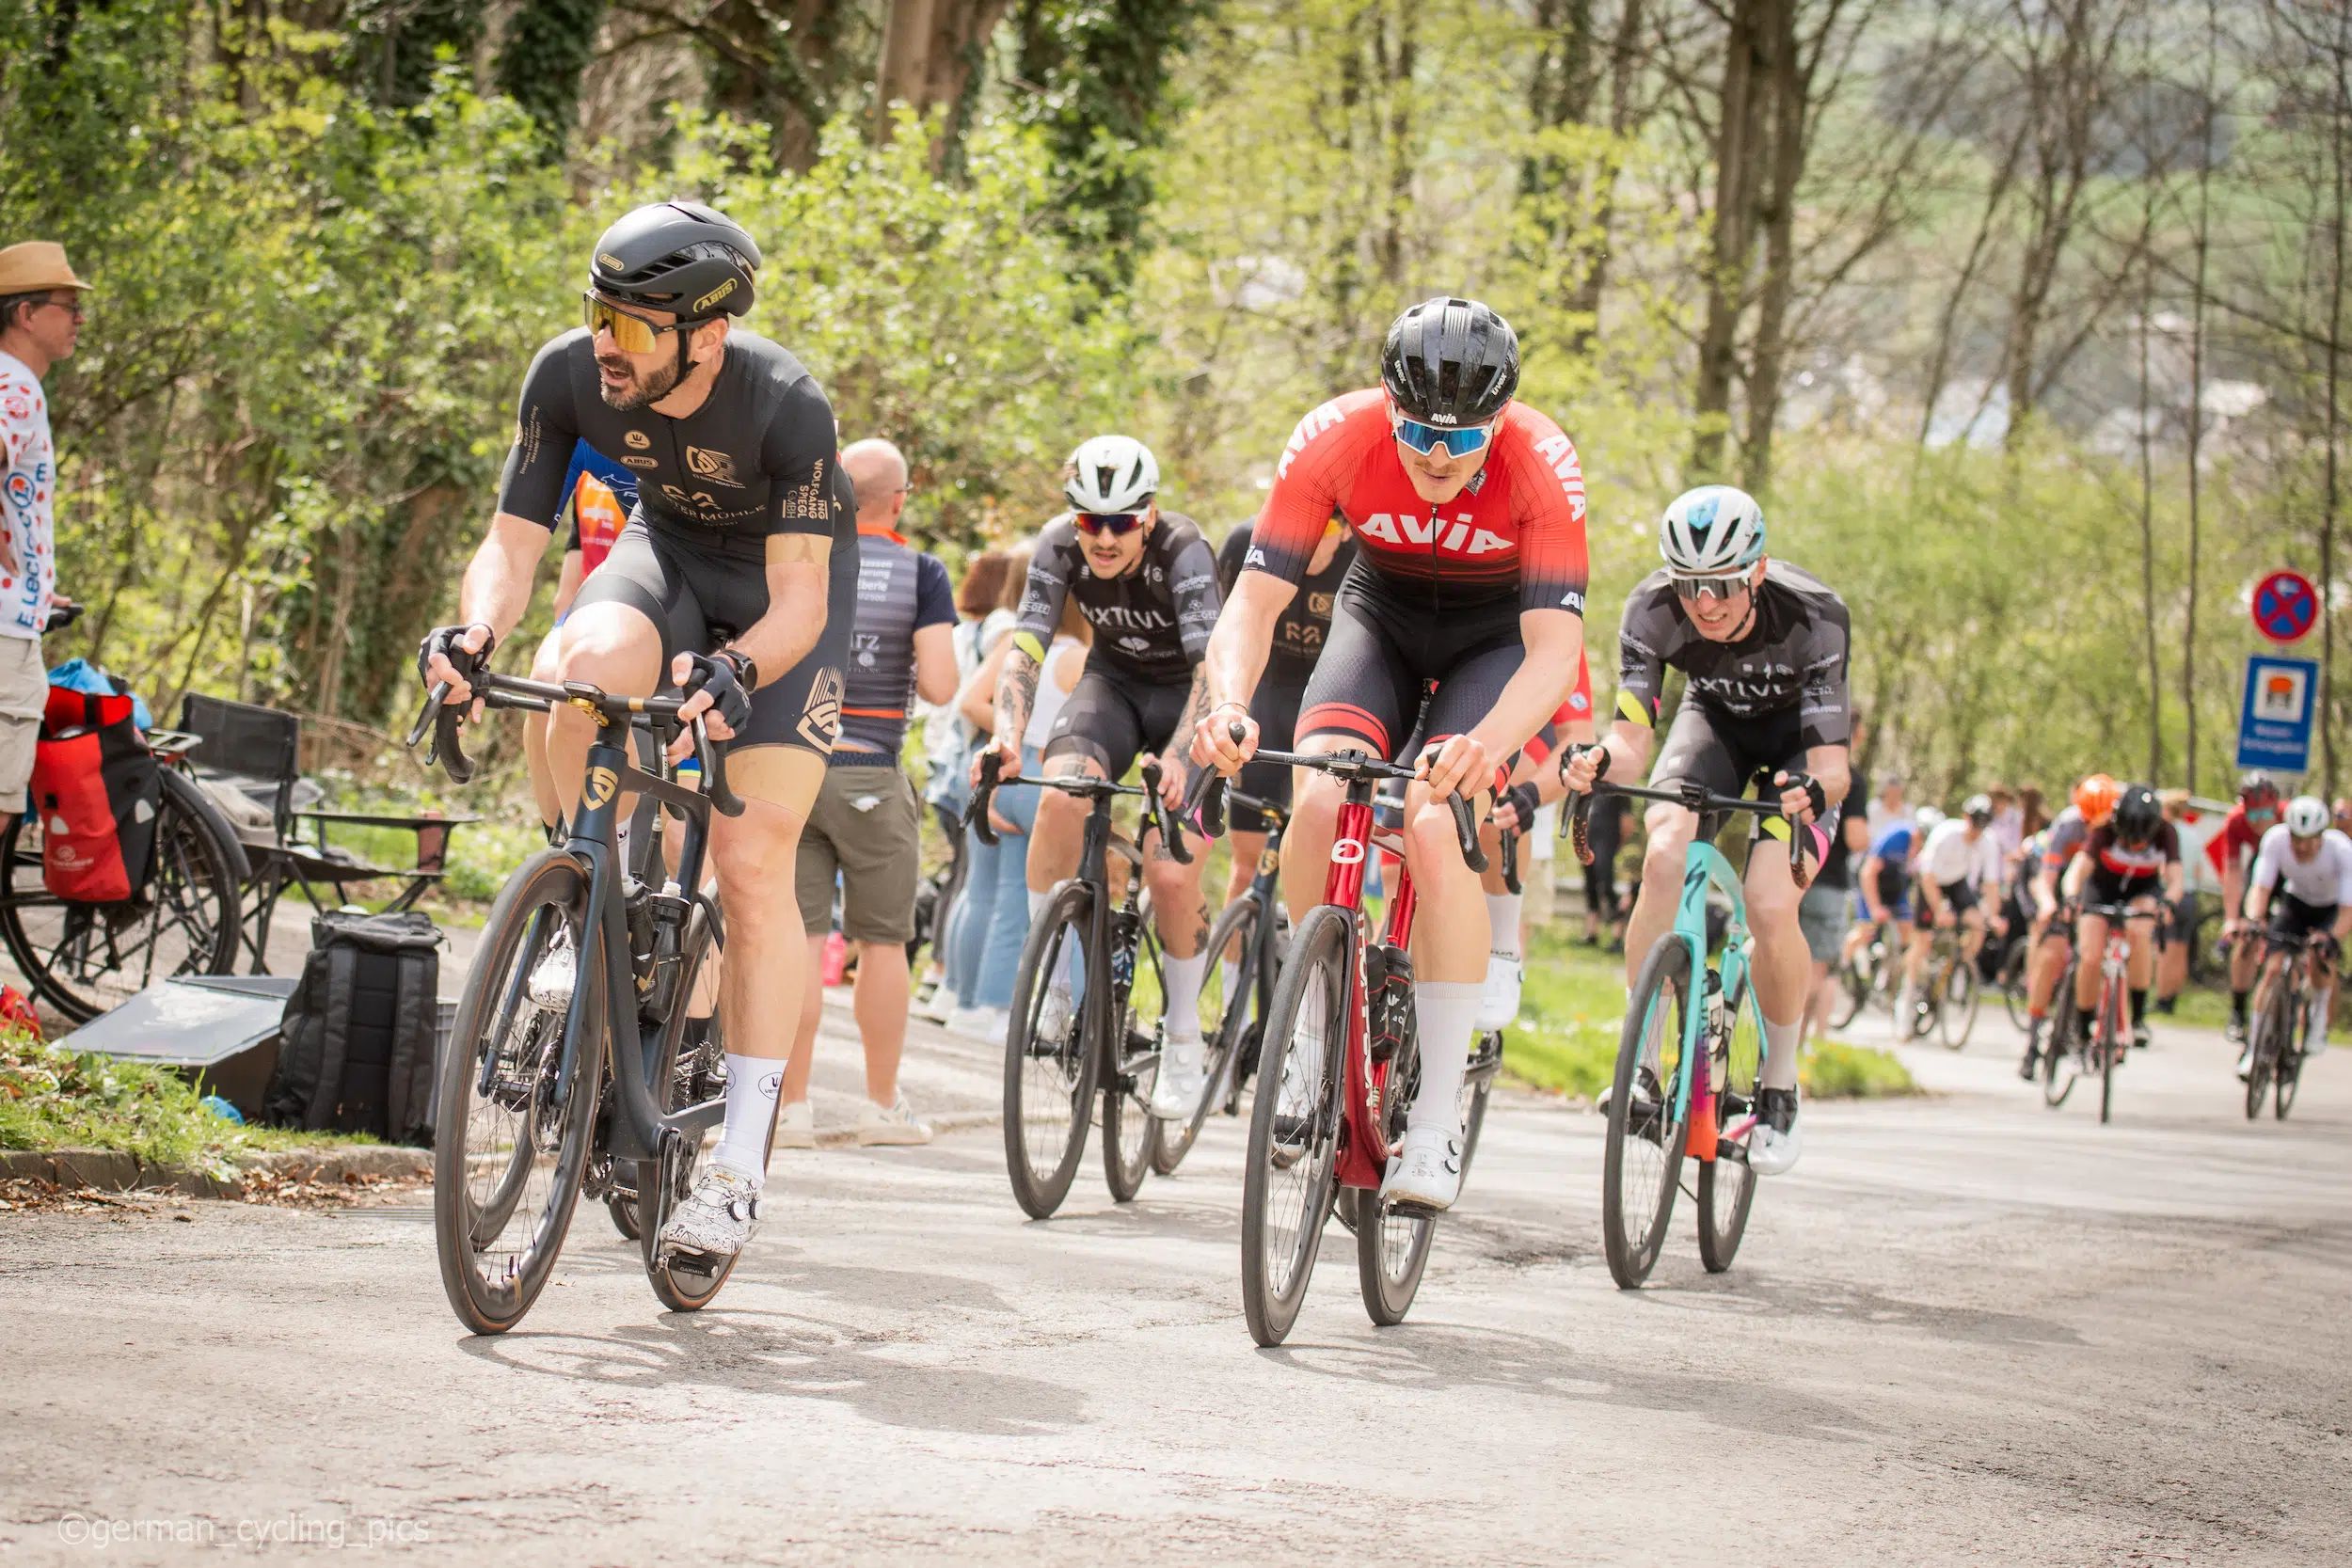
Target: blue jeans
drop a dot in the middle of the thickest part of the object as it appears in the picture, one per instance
(993, 913)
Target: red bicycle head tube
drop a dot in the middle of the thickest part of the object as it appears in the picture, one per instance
(1343, 884)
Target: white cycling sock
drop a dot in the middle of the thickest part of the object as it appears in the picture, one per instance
(1446, 1014)
(1781, 1044)
(1037, 903)
(752, 1082)
(1183, 977)
(2319, 1022)
(1503, 913)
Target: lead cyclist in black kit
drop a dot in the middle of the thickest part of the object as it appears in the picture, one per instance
(736, 576)
(1764, 645)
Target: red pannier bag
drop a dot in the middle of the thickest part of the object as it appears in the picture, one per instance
(96, 789)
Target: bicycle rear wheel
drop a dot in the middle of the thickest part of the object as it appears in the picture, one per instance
(1478, 1086)
(87, 958)
(1225, 1020)
(1642, 1163)
(1726, 1188)
(1956, 1009)
(2059, 1060)
(2262, 1048)
(508, 1154)
(1051, 1056)
(1289, 1175)
(692, 1057)
(1853, 988)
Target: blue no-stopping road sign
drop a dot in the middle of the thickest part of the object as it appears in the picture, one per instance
(2285, 605)
(2274, 727)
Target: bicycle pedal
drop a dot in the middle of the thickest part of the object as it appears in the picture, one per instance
(695, 1262)
(1407, 1209)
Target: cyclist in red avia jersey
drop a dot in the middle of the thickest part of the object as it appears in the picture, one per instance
(1469, 515)
(2232, 851)
(1764, 645)
(2131, 859)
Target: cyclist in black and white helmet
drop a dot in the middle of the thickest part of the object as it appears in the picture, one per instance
(1146, 581)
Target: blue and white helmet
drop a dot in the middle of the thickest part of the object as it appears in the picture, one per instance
(1111, 473)
(1711, 531)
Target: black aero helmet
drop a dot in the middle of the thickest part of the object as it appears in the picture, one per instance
(2138, 815)
(1450, 362)
(678, 256)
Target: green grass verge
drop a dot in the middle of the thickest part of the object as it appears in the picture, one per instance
(52, 1099)
(1572, 1009)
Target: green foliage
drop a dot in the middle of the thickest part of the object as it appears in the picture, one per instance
(548, 44)
(1831, 1070)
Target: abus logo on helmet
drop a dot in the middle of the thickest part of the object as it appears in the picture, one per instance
(714, 297)
(607, 259)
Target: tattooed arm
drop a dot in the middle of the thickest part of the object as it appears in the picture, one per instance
(1016, 699)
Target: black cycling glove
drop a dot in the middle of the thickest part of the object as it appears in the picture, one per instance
(449, 642)
(1570, 754)
(1814, 793)
(1524, 799)
(728, 676)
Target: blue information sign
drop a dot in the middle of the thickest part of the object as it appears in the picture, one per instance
(2274, 728)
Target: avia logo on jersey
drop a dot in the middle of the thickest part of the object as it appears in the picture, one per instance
(1459, 538)
(1309, 428)
(1560, 453)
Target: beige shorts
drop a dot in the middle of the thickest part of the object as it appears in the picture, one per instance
(23, 698)
(866, 825)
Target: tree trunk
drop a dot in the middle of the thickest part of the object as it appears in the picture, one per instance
(1738, 150)
(2196, 403)
(2340, 105)
(1785, 85)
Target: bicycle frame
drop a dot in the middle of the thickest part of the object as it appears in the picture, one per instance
(1363, 1151)
(1706, 868)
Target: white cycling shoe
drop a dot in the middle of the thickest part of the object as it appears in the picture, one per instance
(717, 1216)
(1426, 1169)
(1499, 1008)
(1176, 1094)
(1778, 1141)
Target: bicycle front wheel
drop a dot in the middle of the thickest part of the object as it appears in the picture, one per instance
(1225, 1021)
(1289, 1175)
(89, 958)
(1130, 1132)
(2060, 1061)
(2114, 1039)
(691, 1070)
(1051, 1058)
(1853, 988)
(1956, 1009)
(1642, 1163)
(1726, 1188)
(1393, 1248)
(508, 1151)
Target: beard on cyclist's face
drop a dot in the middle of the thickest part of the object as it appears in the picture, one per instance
(629, 381)
(1721, 620)
(1109, 554)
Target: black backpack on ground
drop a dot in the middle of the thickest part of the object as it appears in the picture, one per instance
(355, 1053)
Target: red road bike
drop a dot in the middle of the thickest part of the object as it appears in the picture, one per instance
(1339, 1065)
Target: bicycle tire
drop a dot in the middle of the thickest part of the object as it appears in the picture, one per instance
(2114, 1041)
(2058, 1050)
(2016, 992)
(1727, 1187)
(1131, 1071)
(1236, 924)
(1960, 995)
(1057, 1080)
(511, 940)
(686, 1080)
(192, 889)
(622, 1208)
(1392, 1249)
(1272, 1287)
(1661, 996)
(1853, 989)
(1481, 1085)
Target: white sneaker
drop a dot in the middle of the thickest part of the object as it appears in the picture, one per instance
(1499, 1008)
(796, 1126)
(1426, 1169)
(1177, 1093)
(893, 1126)
(717, 1218)
(986, 1024)
(940, 1005)
(1778, 1140)
(551, 977)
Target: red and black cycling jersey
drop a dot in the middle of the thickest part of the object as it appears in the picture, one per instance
(2110, 854)
(1305, 623)
(1518, 530)
(2238, 836)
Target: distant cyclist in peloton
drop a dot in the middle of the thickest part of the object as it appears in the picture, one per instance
(2051, 938)
(1765, 648)
(2132, 860)
(2306, 865)
(1469, 511)
(1960, 873)
(735, 580)
(1146, 581)
(2232, 852)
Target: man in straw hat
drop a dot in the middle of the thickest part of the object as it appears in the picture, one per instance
(40, 316)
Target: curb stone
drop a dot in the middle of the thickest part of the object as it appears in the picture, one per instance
(115, 1171)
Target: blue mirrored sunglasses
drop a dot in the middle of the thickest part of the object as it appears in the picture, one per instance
(1426, 438)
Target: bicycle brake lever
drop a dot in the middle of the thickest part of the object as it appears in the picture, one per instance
(1204, 803)
(1466, 831)
(714, 766)
(1511, 861)
(976, 814)
(1576, 823)
(1797, 873)
(434, 699)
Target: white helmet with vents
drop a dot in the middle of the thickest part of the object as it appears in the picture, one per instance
(1111, 473)
(1711, 531)
(2307, 816)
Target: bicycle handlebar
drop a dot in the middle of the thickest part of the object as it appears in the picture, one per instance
(1692, 797)
(1351, 765)
(446, 720)
(1156, 814)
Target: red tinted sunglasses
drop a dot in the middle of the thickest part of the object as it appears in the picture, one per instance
(1117, 524)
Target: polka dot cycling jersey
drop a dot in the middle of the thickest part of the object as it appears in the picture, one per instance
(1518, 530)
(28, 490)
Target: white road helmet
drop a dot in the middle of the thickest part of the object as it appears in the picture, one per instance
(1111, 473)
(1711, 531)
(2307, 816)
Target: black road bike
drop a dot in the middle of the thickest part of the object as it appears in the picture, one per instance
(1249, 935)
(1085, 1020)
(2280, 1029)
(577, 1061)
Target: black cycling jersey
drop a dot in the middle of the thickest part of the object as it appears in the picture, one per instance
(1305, 623)
(757, 459)
(1152, 622)
(1791, 658)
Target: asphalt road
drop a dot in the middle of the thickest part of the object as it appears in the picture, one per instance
(1965, 1329)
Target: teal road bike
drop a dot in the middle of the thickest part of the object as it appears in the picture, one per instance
(1688, 1056)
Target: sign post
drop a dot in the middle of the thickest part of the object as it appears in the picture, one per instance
(2274, 728)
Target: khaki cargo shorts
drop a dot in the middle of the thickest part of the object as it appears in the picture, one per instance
(23, 698)
(866, 828)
